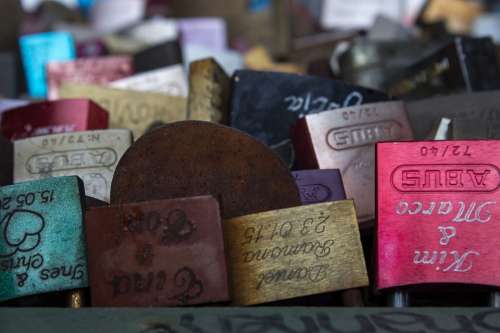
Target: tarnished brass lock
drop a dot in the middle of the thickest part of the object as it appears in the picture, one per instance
(294, 252)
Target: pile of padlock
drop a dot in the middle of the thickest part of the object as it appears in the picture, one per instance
(278, 153)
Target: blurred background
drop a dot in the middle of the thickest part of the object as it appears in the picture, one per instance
(365, 42)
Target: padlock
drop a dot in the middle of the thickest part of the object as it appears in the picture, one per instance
(157, 56)
(294, 252)
(317, 186)
(209, 32)
(7, 104)
(135, 110)
(209, 89)
(344, 138)
(436, 214)
(170, 80)
(266, 104)
(463, 65)
(61, 116)
(97, 70)
(157, 253)
(42, 246)
(39, 49)
(192, 158)
(90, 155)
(425, 113)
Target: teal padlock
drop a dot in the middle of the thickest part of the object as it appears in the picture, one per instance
(42, 246)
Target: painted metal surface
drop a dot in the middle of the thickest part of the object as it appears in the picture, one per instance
(437, 213)
(42, 246)
(60, 116)
(39, 49)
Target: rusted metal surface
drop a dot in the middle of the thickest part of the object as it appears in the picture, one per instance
(157, 253)
(192, 158)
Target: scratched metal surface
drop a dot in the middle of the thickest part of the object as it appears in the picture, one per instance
(248, 320)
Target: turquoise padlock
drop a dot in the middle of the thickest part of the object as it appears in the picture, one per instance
(42, 247)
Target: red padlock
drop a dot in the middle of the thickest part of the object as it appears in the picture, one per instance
(69, 115)
(436, 214)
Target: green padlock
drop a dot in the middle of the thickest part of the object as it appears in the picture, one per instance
(42, 246)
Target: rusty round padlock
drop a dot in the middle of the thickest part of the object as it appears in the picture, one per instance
(191, 158)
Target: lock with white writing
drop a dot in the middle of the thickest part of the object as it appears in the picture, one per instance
(42, 246)
(294, 252)
(284, 98)
(437, 208)
(157, 253)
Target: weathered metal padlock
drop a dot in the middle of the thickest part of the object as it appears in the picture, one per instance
(294, 252)
(193, 158)
(344, 138)
(157, 253)
(42, 246)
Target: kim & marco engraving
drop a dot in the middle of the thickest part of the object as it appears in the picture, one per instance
(446, 178)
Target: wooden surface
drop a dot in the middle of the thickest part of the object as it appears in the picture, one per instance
(262, 320)
(294, 252)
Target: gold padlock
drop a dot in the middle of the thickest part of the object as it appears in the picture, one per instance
(294, 252)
